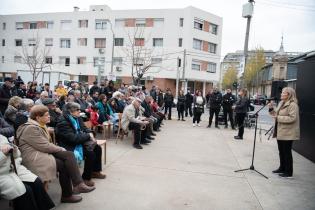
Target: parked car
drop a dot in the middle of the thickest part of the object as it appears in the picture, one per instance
(259, 99)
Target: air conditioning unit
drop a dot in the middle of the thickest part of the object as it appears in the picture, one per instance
(118, 68)
(101, 50)
(150, 78)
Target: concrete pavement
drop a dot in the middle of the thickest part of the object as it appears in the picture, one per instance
(193, 168)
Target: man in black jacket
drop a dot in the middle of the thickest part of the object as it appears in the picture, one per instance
(6, 92)
(168, 100)
(94, 88)
(227, 102)
(189, 99)
(215, 105)
(21, 90)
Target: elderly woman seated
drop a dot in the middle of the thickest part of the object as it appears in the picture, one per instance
(72, 134)
(13, 107)
(18, 184)
(23, 113)
(45, 159)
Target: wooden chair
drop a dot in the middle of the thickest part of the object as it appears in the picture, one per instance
(120, 133)
(102, 144)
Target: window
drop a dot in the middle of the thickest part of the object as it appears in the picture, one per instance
(117, 61)
(2, 59)
(181, 22)
(211, 67)
(140, 22)
(33, 25)
(3, 42)
(212, 48)
(19, 25)
(50, 24)
(83, 23)
(198, 24)
(213, 29)
(49, 42)
(82, 41)
(17, 59)
(195, 65)
(100, 24)
(48, 60)
(156, 60)
(65, 43)
(197, 44)
(64, 61)
(100, 42)
(139, 41)
(18, 42)
(138, 61)
(119, 42)
(157, 42)
(31, 42)
(65, 24)
(180, 42)
(4, 26)
(81, 60)
(119, 23)
(158, 22)
(98, 61)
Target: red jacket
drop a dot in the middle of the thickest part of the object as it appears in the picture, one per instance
(94, 118)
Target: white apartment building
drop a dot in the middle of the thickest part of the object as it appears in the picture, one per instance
(80, 44)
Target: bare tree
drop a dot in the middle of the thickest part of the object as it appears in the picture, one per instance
(34, 56)
(138, 54)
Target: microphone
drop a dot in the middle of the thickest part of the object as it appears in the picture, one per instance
(271, 99)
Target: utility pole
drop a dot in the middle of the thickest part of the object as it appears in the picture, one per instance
(184, 82)
(113, 48)
(99, 73)
(177, 76)
(248, 10)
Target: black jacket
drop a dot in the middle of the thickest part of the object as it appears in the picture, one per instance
(21, 93)
(189, 99)
(94, 89)
(228, 100)
(180, 101)
(5, 95)
(147, 109)
(241, 105)
(168, 99)
(109, 92)
(159, 99)
(5, 128)
(215, 100)
(54, 116)
(67, 136)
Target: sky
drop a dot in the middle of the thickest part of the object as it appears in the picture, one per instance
(272, 18)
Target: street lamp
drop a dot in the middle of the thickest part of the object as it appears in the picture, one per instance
(113, 46)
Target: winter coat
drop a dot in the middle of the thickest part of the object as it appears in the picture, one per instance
(36, 149)
(241, 105)
(129, 115)
(168, 99)
(5, 128)
(10, 114)
(199, 107)
(189, 99)
(287, 121)
(159, 99)
(228, 100)
(215, 100)
(11, 185)
(180, 102)
(67, 136)
(5, 95)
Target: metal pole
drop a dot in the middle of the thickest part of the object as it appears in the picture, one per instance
(246, 41)
(177, 78)
(113, 48)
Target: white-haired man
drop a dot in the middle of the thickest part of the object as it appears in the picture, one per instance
(132, 120)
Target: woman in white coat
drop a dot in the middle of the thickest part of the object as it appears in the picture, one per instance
(24, 188)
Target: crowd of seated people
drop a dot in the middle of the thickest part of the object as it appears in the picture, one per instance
(30, 113)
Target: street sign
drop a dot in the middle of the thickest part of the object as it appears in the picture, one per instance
(111, 76)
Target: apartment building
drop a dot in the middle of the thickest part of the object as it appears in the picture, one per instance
(83, 45)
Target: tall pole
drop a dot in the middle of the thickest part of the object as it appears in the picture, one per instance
(113, 48)
(177, 77)
(184, 85)
(99, 73)
(246, 40)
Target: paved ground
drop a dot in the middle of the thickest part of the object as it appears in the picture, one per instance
(193, 168)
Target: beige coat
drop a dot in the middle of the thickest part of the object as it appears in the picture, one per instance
(129, 115)
(288, 121)
(36, 150)
(11, 185)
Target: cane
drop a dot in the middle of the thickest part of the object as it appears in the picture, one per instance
(12, 160)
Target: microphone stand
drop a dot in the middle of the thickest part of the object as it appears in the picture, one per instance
(252, 167)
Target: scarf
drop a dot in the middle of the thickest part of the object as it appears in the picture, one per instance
(78, 150)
